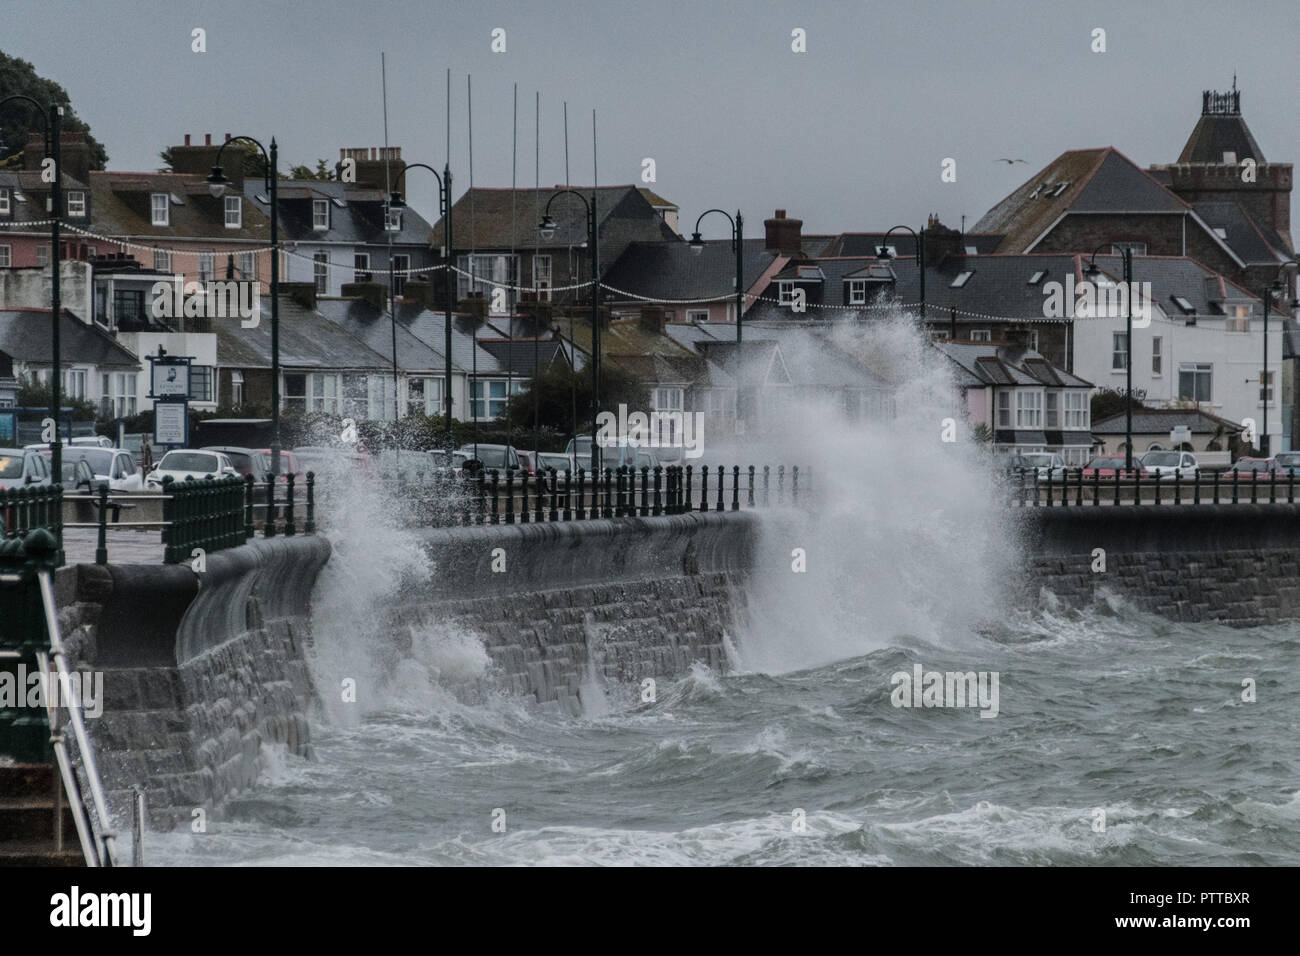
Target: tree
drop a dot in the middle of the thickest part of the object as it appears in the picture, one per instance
(18, 120)
(249, 156)
(322, 173)
(558, 387)
(33, 393)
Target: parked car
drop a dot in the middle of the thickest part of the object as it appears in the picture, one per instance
(528, 461)
(1108, 466)
(182, 464)
(553, 459)
(1167, 464)
(1262, 469)
(1044, 463)
(22, 467)
(498, 457)
(289, 465)
(78, 476)
(109, 465)
(1288, 459)
(244, 459)
(328, 461)
(614, 455)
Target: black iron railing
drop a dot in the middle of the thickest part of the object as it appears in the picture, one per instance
(1025, 488)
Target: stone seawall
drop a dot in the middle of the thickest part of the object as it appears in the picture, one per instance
(1236, 564)
(592, 603)
(200, 670)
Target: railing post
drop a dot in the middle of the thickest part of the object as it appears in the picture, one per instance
(688, 504)
(480, 497)
(1137, 486)
(289, 528)
(1096, 487)
(767, 480)
(1157, 498)
(582, 475)
(1178, 486)
(704, 488)
(1216, 487)
(555, 494)
(608, 511)
(1196, 486)
(311, 505)
(568, 504)
(794, 484)
(1272, 487)
(1049, 485)
(1117, 486)
(780, 484)
(645, 490)
(1290, 485)
(523, 509)
(658, 509)
(722, 481)
(496, 497)
(1254, 480)
(250, 485)
(101, 551)
(169, 519)
(735, 487)
(268, 530)
(749, 502)
(1235, 481)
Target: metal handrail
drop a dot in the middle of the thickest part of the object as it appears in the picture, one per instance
(99, 848)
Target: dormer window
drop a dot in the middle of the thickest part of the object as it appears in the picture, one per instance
(785, 292)
(972, 251)
(234, 208)
(1230, 157)
(6, 205)
(1182, 303)
(1221, 232)
(1037, 277)
(962, 279)
(320, 214)
(1134, 248)
(161, 211)
(857, 292)
(76, 204)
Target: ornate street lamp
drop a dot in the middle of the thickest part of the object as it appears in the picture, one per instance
(738, 247)
(547, 230)
(217, 185)
(882, 252)
(395, 201)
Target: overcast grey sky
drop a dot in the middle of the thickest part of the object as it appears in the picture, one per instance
(847, 136)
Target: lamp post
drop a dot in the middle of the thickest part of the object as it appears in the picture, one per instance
(737, 246)
(53, 150)
(395, 201)
(882, 252)
(217, 183)
(1126, 256)
(547, 229)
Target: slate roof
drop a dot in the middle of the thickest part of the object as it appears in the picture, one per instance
(1079, 180)
(1007, 365)
(670, 270)
(1216, 134)
(25, 334)
(360, 220)
(1158, 421)
(27, 183)
(651, 356)
(374, 327)
(498, 219)
(865, 243)
(121, 206)
(517, 355)
(308, 340)
(1254, 242)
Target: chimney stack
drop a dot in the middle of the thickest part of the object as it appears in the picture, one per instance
(784, 235)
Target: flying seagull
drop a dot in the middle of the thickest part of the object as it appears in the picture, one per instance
(1010, 161)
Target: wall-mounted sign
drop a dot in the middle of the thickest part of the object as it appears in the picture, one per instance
(171, 423)
(169, 375)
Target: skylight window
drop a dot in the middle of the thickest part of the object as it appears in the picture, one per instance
(1060, 188)
(176, 200)
(1183, 304)
(1221, 232)
(962, 279)
(1037, 277)
(338, 202)
(972, 251)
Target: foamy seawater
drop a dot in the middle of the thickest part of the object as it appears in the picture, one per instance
(1131, 715)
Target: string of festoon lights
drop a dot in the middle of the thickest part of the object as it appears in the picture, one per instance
(938, 311)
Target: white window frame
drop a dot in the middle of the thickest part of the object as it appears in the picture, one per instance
(6, 255)
(319, 206)
(1002, 412)
(6, 204)
(1157, 356)
(207, 265)
(857, 292)
(234, 205)
(236, 388)
(981, 335)
(1029, 408)
(320, 271)
(697, 315)
(484, 398)
(784, 292)
(162, 260)
(43, 255)
(1033, 340)
(1237, 318)
(76, 204)
(75, 382)
(1137, 248)
(1052, 410)
(160, 210)
(1116, 352)
(324, 392)
(1196, 370)
(246, 264)
(401, 266)
(668, 399)
(1075, 410)
(542, 276)
(1268, 377)
(360, 266)
(118, 394)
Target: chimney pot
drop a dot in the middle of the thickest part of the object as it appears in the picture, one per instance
(227, 137)
(784, 235)
(780, 214)
(187, 139)
(207, 139)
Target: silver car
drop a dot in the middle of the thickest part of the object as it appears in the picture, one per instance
(22, 467)
(1167, 464)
